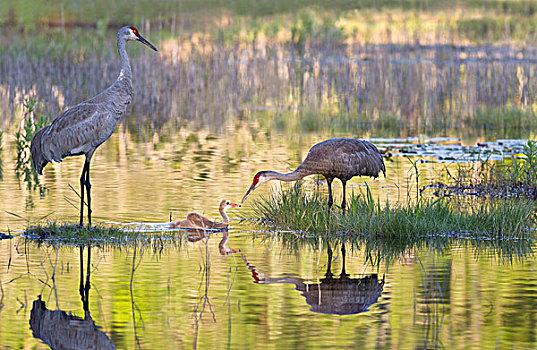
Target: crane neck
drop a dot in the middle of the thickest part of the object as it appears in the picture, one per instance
(125, 71)
(225, 218)
(298, 174)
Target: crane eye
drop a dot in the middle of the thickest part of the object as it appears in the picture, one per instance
(135, 31)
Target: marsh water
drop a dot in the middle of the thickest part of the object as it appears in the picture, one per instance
(250, 286)
(185, 149)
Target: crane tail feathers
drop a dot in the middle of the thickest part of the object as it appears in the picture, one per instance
(38, 157)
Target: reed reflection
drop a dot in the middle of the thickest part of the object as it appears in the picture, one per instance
(341, 295)
(204, 303)
(61, 330)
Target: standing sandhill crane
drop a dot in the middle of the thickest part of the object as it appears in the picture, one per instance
(195, 220)
(84, 127)
(335, 158)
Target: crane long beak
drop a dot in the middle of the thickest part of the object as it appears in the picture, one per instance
(248, 193)
(143, 41)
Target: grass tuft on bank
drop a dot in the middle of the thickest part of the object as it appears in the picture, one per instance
(101, 235)
(294, 209)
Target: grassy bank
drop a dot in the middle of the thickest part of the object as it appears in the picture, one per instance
(100, 235)
(402, 67)
(344, 89)
(293, 209)
(298, 21)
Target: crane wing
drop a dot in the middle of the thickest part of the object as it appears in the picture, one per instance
(79, 130)
(344, 158)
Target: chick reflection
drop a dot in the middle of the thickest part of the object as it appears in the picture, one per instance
(195, 235)
(60, 330)
(339, 296)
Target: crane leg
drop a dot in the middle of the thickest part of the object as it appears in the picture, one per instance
(81, 287)
(85, 184)
(87, 286)
(344, 202)
(88, 189)
(82, 178)
(330, 199)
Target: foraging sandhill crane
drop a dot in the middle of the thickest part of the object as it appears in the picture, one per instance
(84, 127)
(335, 158)
(195, 220)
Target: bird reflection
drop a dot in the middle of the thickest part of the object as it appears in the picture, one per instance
(332, 295)
(61, 330)
(195, 235)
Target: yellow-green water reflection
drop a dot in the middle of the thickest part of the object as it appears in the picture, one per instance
(194, 296)
(206, 292)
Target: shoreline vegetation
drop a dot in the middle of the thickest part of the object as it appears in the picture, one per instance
(472, 91)
(284, 64)
(101, 235)
(307, 214)
(297, 21)
(512, 177)
(397, 67)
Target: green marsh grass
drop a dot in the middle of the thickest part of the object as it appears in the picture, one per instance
(301, 21)
(399, 88)
(294, 209)
(512, 120)
(100, 235)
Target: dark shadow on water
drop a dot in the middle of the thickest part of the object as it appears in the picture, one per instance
(336, 295)
(61, 330)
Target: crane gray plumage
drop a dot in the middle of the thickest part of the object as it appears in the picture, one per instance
(335, 158)
(84, 127)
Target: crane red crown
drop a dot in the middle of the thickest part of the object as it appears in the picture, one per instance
(134, 30)
(256, 179)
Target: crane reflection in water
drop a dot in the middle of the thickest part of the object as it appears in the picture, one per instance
(341, 295)
(61, 330)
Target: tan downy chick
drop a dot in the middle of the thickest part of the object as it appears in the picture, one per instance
(195, 220)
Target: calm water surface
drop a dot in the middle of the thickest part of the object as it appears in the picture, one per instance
(246, 287)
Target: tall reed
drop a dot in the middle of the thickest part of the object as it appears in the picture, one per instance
(425, 89)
